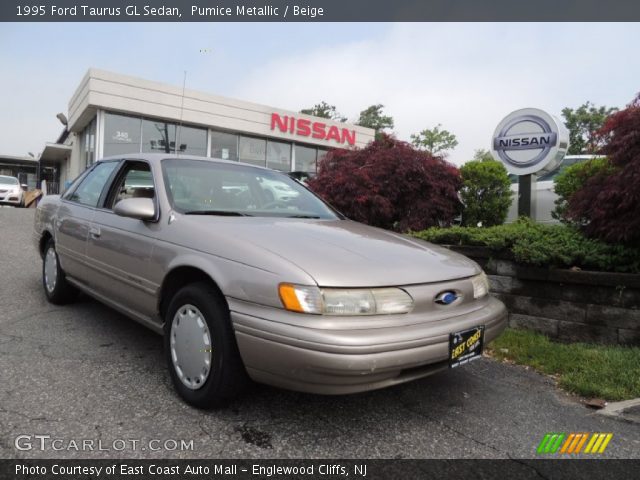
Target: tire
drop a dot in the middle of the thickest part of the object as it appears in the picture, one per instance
(198, 312)
(54, 281)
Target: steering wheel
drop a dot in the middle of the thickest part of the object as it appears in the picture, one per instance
(275, 204)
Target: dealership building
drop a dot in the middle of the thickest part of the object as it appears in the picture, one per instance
(112, 114)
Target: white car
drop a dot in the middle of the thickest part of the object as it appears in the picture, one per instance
(10, 191)
(545, 195)
(278, 191)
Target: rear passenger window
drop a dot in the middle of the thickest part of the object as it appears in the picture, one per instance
(89, 191)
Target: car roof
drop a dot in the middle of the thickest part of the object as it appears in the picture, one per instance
(158, 157)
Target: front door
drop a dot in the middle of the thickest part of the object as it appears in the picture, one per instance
(120, 248)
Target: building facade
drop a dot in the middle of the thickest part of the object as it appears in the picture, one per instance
(25, 169)
(113, 114)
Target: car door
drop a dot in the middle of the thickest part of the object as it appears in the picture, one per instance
(120, 248)
(73, 219)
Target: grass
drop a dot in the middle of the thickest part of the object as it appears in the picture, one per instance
(600, 371)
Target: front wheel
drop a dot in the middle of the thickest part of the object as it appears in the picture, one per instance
(54, 281)
(200, 347)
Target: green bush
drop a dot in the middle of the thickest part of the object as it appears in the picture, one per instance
(485, 193)
(572, 178)
(559, 246)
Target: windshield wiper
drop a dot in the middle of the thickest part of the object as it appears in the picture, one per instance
(222, 213)
(301, 216)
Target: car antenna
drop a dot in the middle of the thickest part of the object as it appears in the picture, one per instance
(184, 85)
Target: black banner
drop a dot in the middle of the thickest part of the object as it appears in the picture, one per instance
(319, 11)
(325, 469)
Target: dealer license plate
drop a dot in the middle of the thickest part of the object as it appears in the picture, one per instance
(465, 346)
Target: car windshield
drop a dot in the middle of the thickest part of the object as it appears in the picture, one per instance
(212, 188)
(4, 180)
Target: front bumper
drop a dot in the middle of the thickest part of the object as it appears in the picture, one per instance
(348, 361)
(7, 198)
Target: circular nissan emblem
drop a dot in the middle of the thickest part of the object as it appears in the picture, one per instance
(530, 140)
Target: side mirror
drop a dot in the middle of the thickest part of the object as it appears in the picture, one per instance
(24, 186)
(139, 208)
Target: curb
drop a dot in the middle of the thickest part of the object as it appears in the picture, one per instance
(628, 410)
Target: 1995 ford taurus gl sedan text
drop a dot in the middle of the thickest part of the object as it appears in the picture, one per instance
(240, 281)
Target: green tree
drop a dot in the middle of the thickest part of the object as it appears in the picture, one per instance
(372, 117)
(584, 124)
(485, 193)
(324, 110)
(482, 155)
(436, 141)
(572, 178)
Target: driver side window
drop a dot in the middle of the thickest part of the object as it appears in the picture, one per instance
(136, 181)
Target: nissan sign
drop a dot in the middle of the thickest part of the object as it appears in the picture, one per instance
(303, 127)
(529, 141)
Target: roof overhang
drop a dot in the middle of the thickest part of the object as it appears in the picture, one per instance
(17, 160)
(55, 153)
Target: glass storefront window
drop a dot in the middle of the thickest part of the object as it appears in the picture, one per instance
(121, 134)
(158, 136)
(192, 141)
(224, 145)
(253, 150)
(321, 154)
(305, 159)
(279, 156)
(88, 143)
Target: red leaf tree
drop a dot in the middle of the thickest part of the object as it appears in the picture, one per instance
(390, 184)
(608, 206)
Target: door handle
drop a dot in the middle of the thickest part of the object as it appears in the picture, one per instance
(94, 232)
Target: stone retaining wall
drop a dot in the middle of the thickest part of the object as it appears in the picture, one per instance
(565, 304)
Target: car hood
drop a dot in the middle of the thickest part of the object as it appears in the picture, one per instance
(343, 253)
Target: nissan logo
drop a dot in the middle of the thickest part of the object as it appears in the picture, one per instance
(537, 136)
(529, 140)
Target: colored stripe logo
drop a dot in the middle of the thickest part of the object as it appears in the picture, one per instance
(574, 443)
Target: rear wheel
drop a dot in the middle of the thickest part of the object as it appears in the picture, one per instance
(200, 347)
(54, 281)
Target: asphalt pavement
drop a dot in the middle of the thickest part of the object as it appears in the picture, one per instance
(84, 373)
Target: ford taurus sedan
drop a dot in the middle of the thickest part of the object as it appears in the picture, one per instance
(244, 285)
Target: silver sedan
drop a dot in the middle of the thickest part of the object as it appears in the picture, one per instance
(243, 285)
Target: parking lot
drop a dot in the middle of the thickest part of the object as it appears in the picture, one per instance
(84, 372)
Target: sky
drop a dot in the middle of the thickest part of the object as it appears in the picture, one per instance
(464, 76)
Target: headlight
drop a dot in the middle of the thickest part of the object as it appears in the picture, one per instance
(480, 285)
(345, 301)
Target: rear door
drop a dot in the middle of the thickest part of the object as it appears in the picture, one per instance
(73, 219)
(120, 248)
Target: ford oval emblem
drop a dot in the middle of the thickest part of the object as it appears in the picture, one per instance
(446, 298)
